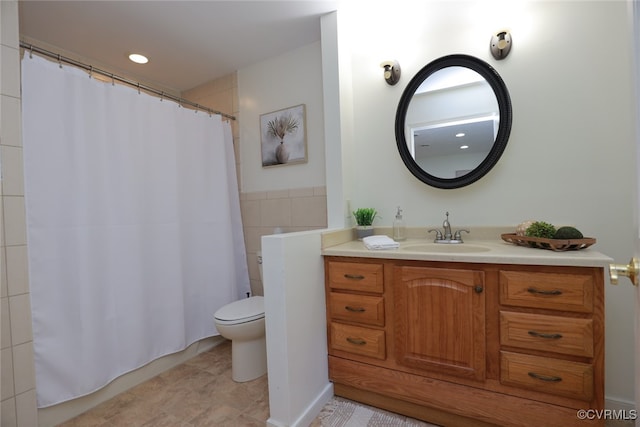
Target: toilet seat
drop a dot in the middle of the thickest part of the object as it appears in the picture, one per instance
(241, 311)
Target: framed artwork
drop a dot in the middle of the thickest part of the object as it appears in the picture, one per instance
(283, 137)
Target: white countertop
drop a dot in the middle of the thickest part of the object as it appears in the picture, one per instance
(494, 251)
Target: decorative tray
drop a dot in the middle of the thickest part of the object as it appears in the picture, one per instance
(552, 244)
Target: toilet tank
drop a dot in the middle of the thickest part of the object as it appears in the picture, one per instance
(257, 286)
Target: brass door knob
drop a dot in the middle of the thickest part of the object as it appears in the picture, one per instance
(630, 270)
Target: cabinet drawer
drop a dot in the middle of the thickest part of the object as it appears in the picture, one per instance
(555, 291)
(357, 308)
(553, 376)
(356, 276)
(563, 335)
(354, 339)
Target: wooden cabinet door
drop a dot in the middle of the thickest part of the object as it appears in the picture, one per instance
(439, 316)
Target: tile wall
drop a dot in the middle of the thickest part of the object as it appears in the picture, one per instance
(220, 95)
(17, 394)
(269, 212)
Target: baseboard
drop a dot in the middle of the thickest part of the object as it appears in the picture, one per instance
(310, 413)
(619, 405)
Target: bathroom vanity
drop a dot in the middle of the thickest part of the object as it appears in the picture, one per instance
(484, 334)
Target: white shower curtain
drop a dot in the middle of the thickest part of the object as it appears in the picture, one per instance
(133, 225)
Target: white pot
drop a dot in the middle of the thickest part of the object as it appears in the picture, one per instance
(364, 231)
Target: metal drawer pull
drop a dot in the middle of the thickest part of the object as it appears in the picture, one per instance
(543, 335)
(354, 276)
(356, 341)
(551, 379)
(539, 292)
(355, 309)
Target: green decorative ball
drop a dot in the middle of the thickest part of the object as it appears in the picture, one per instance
(568, 233)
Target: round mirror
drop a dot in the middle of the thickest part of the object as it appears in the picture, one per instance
(453, 121)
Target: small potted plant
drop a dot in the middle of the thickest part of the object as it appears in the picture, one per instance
(364, 218)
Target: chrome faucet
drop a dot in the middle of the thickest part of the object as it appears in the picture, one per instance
(447, 237)
(447, 228)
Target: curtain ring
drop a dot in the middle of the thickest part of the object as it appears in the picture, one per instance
(59, 61)
(161, 96)
(31, 52)
(90, 71)
(113, 82)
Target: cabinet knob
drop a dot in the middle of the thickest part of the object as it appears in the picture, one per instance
(478, 289)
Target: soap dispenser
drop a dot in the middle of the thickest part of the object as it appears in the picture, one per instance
(399, 229)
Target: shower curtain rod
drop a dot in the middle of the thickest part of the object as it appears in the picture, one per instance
(91, 69)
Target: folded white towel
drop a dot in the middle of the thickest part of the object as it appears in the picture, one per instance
(380, 242)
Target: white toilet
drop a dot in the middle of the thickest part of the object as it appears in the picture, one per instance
(242, 322)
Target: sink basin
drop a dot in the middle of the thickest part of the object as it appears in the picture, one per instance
(458, 248)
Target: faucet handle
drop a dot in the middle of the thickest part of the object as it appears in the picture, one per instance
(458, 236)
(438, 233)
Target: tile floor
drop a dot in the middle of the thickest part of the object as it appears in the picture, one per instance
(198, 393)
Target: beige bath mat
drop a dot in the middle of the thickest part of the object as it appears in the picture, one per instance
(339, 412)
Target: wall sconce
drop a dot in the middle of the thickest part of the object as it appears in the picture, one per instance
(391, 72)
(501, 44)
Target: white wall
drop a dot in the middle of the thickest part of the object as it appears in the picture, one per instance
(570, 158)
(285, 81)
(292, 264)
(296, 331)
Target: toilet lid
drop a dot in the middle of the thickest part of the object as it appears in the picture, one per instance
(244, 310)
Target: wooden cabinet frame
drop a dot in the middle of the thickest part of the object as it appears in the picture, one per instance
(484, 377)
(439, 320)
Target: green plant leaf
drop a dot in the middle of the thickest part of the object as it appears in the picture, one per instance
(541, 229)
(364, 216)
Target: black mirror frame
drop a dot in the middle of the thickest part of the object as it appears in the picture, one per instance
(504, 127)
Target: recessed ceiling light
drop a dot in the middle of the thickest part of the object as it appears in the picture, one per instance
(464, 147)
(460, 135)
(138, 59)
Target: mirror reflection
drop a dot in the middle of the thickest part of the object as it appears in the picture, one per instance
(453, 121)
